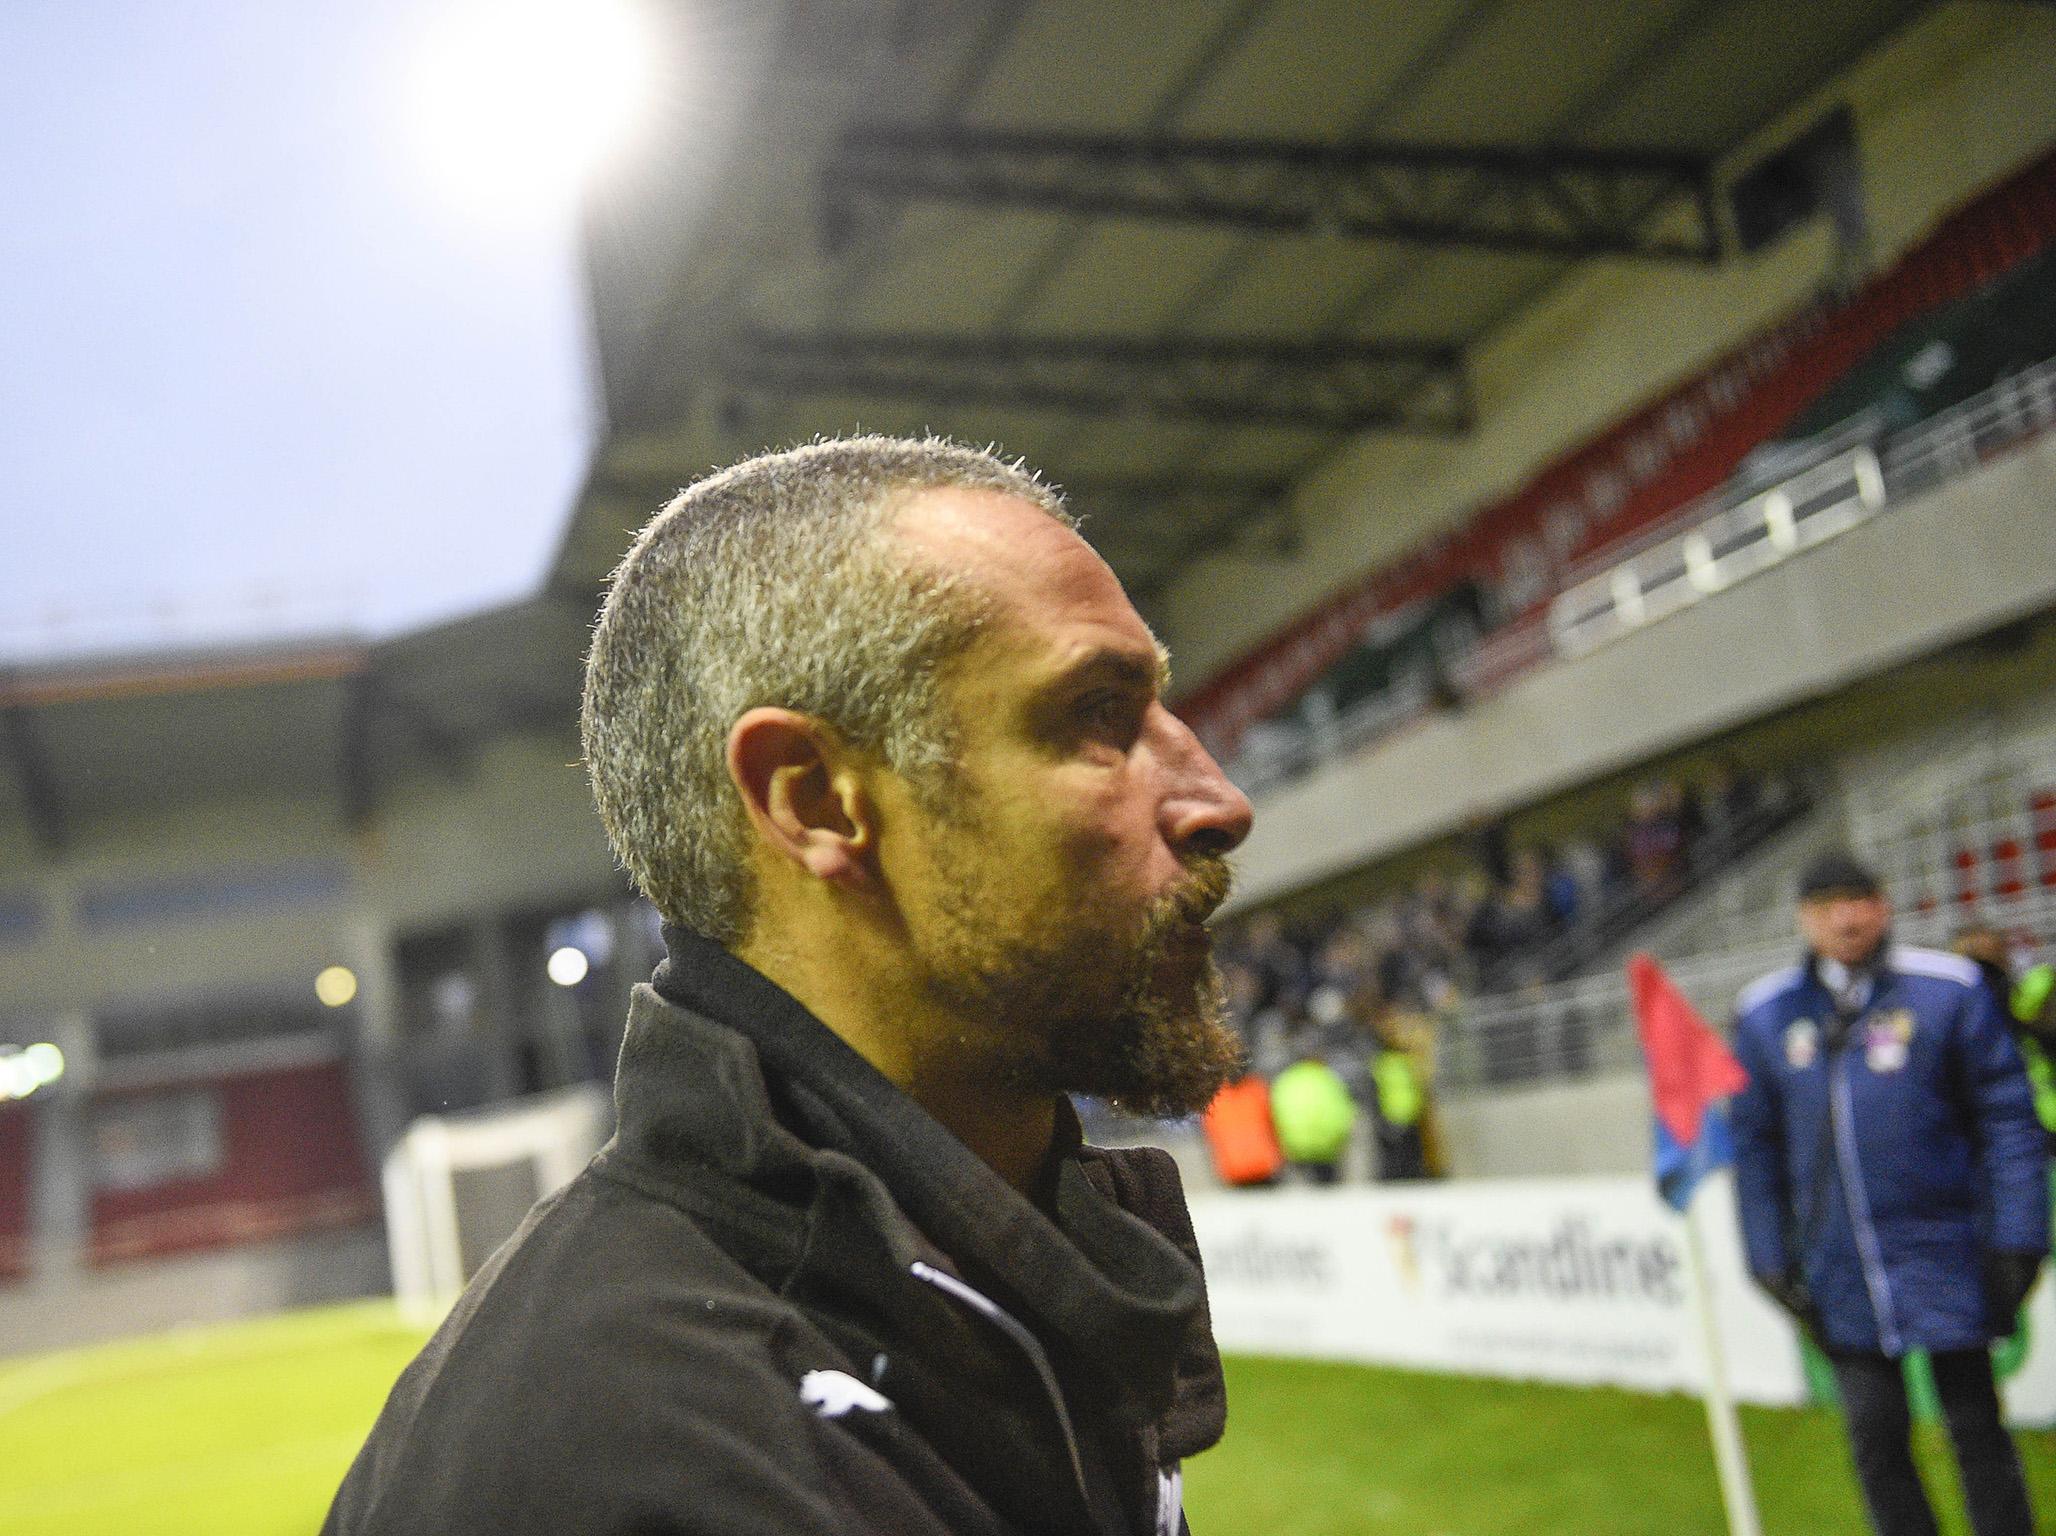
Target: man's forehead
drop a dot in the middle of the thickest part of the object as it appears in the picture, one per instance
(973, 529)
(1039, 575)
(1055, 606)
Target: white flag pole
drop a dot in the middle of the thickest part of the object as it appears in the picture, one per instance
(1730, 1456)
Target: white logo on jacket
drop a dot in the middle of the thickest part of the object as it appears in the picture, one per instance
(832, 1394)
(1802, 1044)
(1885, 1041)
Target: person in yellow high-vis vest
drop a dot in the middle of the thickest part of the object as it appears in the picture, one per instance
(2028, 1004)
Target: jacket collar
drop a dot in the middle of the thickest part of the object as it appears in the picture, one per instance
(1107, 1277)
(1878, 967)
(1877, 970)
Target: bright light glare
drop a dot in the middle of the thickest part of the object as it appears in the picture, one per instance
(23, 1072)
(567, 966)
(335, 986)
(517, 102)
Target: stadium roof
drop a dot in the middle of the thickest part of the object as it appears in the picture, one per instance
(1173, 255)
(338, 719)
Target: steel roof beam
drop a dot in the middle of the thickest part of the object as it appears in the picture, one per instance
(1165, 496)
(1333, 386)
(40, 797)
(451, 754)
(1144, 515)
(1562, 202)
(368, 699)
(354, 770)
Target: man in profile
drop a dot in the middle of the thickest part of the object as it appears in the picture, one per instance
(1890, 1176)
(885, 743)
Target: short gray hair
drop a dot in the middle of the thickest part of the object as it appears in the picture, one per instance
(775, 582)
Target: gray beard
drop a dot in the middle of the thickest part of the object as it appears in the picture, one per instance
(1151, 1046)
(1163, 1057)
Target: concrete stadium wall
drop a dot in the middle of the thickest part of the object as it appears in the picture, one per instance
(1950, 106)
(120, 922)
(519, 832)
(64, 1308)
(1964, 558)
(1600, 1125)
(1546, 1130)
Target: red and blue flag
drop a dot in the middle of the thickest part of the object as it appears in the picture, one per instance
(1691, 1075)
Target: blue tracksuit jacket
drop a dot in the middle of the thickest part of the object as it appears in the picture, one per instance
(1926, 1125)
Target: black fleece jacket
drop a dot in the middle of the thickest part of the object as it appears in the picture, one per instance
(784, 1299)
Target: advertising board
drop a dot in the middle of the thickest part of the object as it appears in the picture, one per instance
(1572, 1280)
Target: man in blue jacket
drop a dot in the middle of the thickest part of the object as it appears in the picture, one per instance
(1893, 1197)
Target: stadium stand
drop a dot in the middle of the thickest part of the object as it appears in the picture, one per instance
(1671, 503)
(187, 841)
(1916, 806)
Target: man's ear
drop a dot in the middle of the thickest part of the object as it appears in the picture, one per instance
(803, 791)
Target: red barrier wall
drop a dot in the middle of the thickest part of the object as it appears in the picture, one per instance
(14, 1190)
(291, 1161)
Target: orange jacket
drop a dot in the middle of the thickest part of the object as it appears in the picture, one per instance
(1239, 1133)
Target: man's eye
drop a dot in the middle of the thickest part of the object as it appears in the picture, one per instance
(1111, 714)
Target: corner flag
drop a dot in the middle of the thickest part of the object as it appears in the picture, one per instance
(1690, 1072)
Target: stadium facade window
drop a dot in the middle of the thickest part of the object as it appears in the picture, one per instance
(141, 1141)
(154, 1025)
(22, 917)
(212, 895)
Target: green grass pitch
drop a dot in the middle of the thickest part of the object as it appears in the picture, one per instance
(245, 1430)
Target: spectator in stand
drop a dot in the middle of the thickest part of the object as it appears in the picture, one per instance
(1690, 810)
(1434, 912)
(1527, 900)
(1396, 970)
(1342, 972)
(1490, 843)
(1280, 966)
(2025, 1005)
(1561, 889)
(1655, 838)
(1402, 1100)
(1892, 1190)
(1730, 798)
(1585, 865)
(1265, 1031)
(1471, 894)
(1512, 921)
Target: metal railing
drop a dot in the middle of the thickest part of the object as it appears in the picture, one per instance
(1958, 440)
(1581, 1028)
(1623, 911)
(1730, 546)
(1702, 548)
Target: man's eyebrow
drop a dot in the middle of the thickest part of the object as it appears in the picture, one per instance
(1151, 672)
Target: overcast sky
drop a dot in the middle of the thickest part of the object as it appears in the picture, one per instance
(258, 374)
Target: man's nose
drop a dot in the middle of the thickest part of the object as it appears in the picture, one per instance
(1203, 812)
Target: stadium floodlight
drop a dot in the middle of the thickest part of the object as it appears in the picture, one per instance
(516, 102)
(22, 1072)
(567, 966)
(335, 986)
